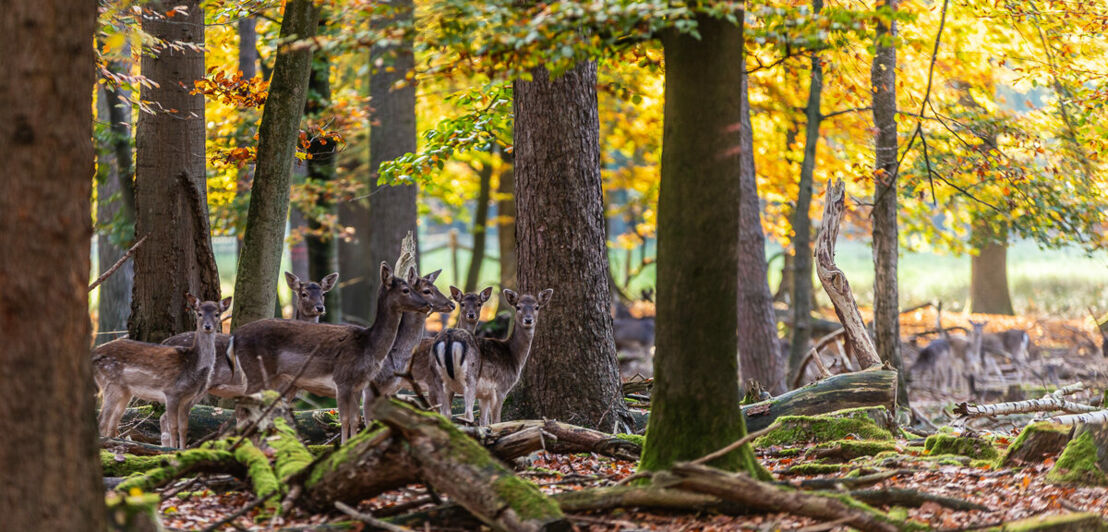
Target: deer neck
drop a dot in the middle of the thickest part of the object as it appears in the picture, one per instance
(381, 335)
(203, 349)
(519, 344)
(408, 337)
(468, 325)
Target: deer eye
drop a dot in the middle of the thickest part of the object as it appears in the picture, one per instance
(406, 290)
(426, 291)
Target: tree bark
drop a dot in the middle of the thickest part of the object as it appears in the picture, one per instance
(886, 312)
(849, 390)
(392, 133)
(572, 374)
(322, 248)
(50, 452)
(506, 230)
(115, 203)
(759, 349)
(260, 261)
(695, 403)
(480, 228)
(170, 183)
(802, 224)
(989, 269)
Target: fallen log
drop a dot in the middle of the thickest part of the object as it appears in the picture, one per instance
(513, 439)
(141, 424)
(912, 498)
(1048, 403)
(850, 390)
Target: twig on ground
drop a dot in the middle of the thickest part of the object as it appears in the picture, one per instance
(369, 519)
(739, 443)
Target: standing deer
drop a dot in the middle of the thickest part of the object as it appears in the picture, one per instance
(331, 360)
(470, 307)
(175, 376)
(307, 304)
(1011, 344)
(456, 354)
(951, 358)
(408, 336)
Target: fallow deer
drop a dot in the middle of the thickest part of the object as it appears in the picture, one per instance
(470, 307)
(951, 358)
(331, 360)
(497, 363)
(175, 376)
(1011, 344)
(307, 304)
(408, 337)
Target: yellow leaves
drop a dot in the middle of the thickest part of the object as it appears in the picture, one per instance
(115, 42)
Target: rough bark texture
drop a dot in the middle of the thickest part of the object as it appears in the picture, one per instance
(572, 374)
(260, 261)
(506, 231)
(392, 133)
(480, 228)
(696, 392)
(115, 201)
(50, 454)
(248, 60)
(802, 224)
(989, 269)
(323, 250)
(850, 390)
(886, 312)
(170, 189)
(354, 262)
(759, 349)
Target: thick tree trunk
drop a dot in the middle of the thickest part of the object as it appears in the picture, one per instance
(322, 248)
(114, 203)
(695, 404)
(480, 228)
(49, 457)
(354, 262)
(989, 269)
(506, 231)
(392, 133)
(572, 374)
(759, 349)
(802, 224)
(170, 189)
(248, 60)
(260, 261)
(886, 311)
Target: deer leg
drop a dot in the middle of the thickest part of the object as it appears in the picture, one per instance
(111, 412)
(446, 407)
(497, 406)
(367, 399)
(169, 437)
(183, 423)
(469, 396)
(347, 403)
(487, 404)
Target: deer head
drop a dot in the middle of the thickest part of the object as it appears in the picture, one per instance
(425, 286)
(527, 306)
(398, 292)
(471, 303)
(208, 313)
(308, 296)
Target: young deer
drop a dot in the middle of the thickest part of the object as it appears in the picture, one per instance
(470, 305)
(952, 358)
(497, 363)
(176, 376)
(307, 298)
(386, 382)
(332, 360)
(307, 305)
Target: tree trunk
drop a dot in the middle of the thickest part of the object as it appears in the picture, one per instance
(354, 261)
(260, 261)
(506, 231)
(695, 403)
(115, 203)
(802, 224)
(248, 60)
(989, 269)
(50, 452)
(171, 203)
(572, 374)
(759, 349)
(886, 312)
(480, 228)
(322, 248)
(392, 133)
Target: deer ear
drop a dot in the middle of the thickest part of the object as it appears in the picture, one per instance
(386, 274)
(455, 294)
(329, 282)
(193, 303)
(293, 281)
(486, 294)
(511, 297)
(225, 304)
(412, 276)
(544, 297)
(432, 276)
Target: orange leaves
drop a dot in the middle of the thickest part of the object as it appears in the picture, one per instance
(233, 89)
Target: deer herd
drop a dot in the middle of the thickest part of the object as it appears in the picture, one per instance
(347, 362)
(956, 362)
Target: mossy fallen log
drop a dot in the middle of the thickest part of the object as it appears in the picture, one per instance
(1074, 522)
(847, 450)
(187, 462)
(856, 423)
(1085, 458)
(1035, 442)
(850, 390)
(971, 446)
(141, 423)
(513, 439)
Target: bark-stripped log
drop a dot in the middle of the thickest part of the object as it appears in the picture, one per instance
(850, 390)
(1092, 418)
(834, 280)
(519, 438)
(1049, 403)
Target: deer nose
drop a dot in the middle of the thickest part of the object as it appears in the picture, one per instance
(207, 327)
(528, 321)
(319, 309)
(451, 306)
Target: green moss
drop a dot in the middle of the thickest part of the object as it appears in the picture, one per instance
(1030, 429)
(133, 512)
(851, 449)
(262, 480)
(525, 498)
(335, 460)
(814, 469)
(1078, 463)
(637, 439)
(180, 464)
(960, 445)
(130, 464)
(1071, 522)
(794, 430)
(978, 464)
(292, 456)
(320, 450)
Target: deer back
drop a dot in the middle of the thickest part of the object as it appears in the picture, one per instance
(272, 352)
(147, 370)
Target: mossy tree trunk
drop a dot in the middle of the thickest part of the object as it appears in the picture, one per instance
(802, 224)
(262, 244)
(51, 476)
(392, 133)
(696, 375)
(886, 312)
(572, 373)
(170, 188)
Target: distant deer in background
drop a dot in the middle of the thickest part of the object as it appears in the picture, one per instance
(951, 359)
(175, 376)
(1012, 344)
(307, 304)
